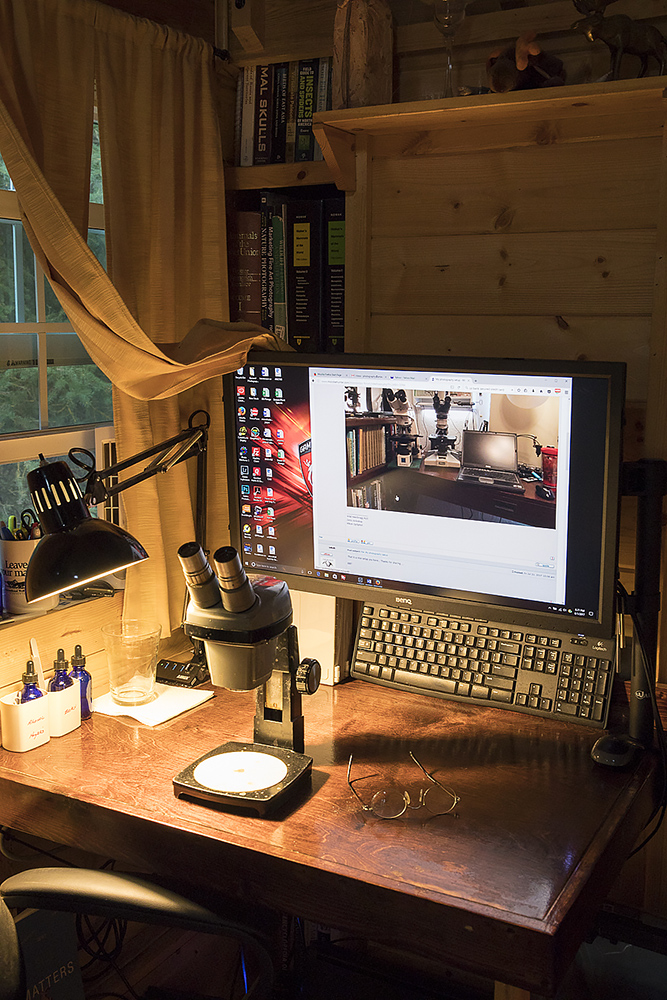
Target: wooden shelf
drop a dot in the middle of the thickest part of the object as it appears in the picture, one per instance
(278, 175)
(621, 108)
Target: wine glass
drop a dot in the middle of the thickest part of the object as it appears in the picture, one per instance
(448, 15)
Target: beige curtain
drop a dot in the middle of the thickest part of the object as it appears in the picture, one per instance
(160, 98)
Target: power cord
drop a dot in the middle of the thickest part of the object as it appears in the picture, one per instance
(661, 807)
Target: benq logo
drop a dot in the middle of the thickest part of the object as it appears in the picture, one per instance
(403, 600)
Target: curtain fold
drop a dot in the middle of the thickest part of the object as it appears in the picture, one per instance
(157, 323)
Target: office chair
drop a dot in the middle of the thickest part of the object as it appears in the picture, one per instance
(122, 896)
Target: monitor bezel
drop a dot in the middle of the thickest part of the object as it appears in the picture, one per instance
(613, 373)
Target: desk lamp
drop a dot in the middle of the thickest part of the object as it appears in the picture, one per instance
(77, 548)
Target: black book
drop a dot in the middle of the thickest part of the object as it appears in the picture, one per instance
(304, 273)
(333, 275)
(279, 122)
(306, 97)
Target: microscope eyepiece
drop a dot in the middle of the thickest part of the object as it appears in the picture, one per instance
(236, 591)
(199, 576)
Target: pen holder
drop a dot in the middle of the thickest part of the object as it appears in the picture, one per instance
(29, 725)
(26, 726)
(14, 559)
(64, 709)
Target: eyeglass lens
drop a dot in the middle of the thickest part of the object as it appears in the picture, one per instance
(390, 802)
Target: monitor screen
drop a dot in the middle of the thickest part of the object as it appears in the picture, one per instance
(475, 487)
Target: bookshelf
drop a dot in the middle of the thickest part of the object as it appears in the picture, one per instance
(278, 175)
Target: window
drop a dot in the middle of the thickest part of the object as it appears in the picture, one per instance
(52, 396)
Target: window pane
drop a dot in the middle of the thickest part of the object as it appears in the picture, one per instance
(53, 311)
(97, 243)
(5, 179)
(17, 275)
(14, 492)
(78, 392)
(96, 168)
(19, 383)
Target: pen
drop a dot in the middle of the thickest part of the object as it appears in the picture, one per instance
(5, 532)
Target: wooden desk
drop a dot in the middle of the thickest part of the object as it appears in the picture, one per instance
(508, 889)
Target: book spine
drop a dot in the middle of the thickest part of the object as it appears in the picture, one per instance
(245, 294)
(279, 123)
(263, 111)
(333, 277)
(304, 294)
(238, 117)
(248, 117)
(279, 270)
(306, 96)
(266, 267)
(292, 101)
(323, 97)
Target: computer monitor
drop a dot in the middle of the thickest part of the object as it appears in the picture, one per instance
(345, 478)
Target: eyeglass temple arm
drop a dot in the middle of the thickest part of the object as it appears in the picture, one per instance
(435, 781)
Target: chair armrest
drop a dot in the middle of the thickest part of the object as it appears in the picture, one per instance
(130, 897)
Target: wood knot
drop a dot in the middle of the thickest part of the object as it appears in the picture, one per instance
(505, 218)
(546, 134)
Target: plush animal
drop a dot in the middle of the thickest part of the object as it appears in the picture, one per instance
(623, 36)
(523, 66)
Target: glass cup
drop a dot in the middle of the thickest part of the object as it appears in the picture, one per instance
(132, 647)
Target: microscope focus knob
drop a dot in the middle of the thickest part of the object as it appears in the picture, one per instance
(308, 675)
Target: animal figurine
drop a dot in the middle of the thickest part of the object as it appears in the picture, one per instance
(587, 7)
(523, 66)
(624, 36)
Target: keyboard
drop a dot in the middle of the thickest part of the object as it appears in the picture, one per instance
(495, 477)
(551, 674)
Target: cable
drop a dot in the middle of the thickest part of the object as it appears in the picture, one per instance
(8, 835)
(661, 806)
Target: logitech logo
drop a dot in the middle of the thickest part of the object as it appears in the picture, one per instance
(403, 600)
(642, 695)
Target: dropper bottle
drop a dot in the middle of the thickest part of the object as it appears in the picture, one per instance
(60, 680)
(30, 689)
(80, 674)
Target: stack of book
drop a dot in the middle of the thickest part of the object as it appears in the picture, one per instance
(274, 111)
(287, 268)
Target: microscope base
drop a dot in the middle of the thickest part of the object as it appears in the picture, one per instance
(244, 776)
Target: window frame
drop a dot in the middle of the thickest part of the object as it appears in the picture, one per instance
(18, 447)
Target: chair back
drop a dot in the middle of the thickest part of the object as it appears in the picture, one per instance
(12, 981)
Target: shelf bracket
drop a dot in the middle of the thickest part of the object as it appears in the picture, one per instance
(247, 22)
(338, 149)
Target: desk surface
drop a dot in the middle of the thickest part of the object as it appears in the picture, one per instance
(507, 890)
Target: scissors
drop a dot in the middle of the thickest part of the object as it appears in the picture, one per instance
(30, 526)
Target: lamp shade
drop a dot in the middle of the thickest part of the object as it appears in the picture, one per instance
(76, 548)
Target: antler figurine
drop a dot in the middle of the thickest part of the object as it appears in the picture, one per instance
(622, 35)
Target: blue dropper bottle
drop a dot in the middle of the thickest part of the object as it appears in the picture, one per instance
(80, 674)
(60, 680)
(30, 690)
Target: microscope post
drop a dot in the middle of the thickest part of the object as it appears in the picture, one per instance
(279, 715)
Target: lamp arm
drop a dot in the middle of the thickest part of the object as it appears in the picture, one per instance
(191, 442)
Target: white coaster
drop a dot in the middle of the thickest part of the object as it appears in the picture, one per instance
(170, 701)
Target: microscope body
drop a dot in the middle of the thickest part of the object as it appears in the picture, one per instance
(249, 641)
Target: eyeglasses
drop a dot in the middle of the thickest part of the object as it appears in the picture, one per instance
(391, 801)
